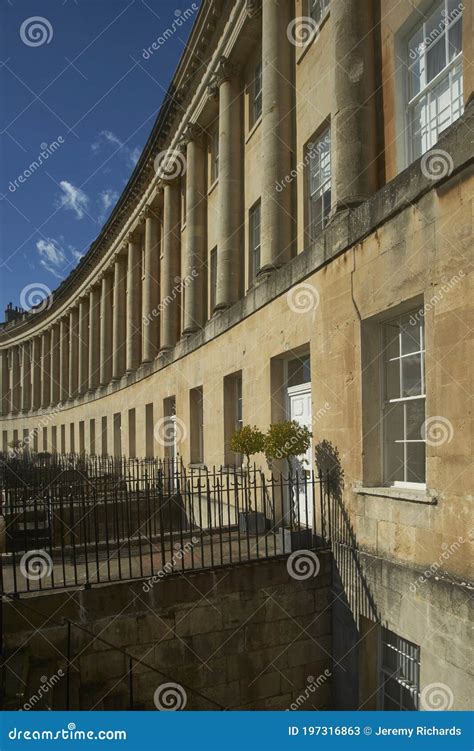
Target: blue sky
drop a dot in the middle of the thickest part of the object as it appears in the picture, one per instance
(80, 90)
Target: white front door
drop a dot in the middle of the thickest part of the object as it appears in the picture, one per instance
(299, 408)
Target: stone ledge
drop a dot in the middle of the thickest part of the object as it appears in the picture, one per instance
(400, 494)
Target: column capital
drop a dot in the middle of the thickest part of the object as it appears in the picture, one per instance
(192, 132)
(225, 70)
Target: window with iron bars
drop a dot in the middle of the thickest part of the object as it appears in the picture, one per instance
(400, 672)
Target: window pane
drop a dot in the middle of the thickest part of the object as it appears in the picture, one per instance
(420, 131)
(411, 375)
(440, 111)
(394, 421)
(435, 58)
(415, 417)
(434, 26)
(455, 40)
(410, 331)
(299, 371)
(415, 462)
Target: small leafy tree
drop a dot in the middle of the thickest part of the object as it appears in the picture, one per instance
(247, 441)
(285, 440)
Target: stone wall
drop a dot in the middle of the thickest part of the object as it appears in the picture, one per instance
(248, 637)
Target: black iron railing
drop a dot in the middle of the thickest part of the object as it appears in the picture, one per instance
(79, 521)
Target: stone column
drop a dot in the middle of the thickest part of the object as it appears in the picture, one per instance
(83, 347)
(64, 360)
(119, 320)
(73, 352)
(151, 287)
(134, 304)
(55, 363)
(170, 294)
(195, 269)
(229, 234)
(106, 315)
(277, 227)
(353, 131)
(15, 385)
(45, 369)
(5, 382)
(94, 338)
(36, 373)
(26, 376)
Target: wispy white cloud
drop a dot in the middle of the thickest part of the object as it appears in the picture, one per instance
(72, 198)
(55, 258)
(106, 200)
(129, 154)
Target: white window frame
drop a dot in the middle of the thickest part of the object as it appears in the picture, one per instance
(426, 88)
(323, 187)
(214, 152)
(401, 399)
(255, 248)
(256, 96)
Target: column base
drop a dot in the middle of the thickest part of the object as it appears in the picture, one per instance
(188, 331)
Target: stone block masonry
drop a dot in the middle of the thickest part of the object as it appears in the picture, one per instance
(241, 637)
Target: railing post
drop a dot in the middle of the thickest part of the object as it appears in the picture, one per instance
(68, 669)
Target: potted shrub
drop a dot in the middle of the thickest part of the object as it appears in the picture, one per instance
(249, 440)
(286, 441)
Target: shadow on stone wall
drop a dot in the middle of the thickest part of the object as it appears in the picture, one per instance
(352, 596)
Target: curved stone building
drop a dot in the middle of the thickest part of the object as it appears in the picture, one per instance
(294, 242)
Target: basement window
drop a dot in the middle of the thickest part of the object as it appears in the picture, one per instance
(400, 673)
